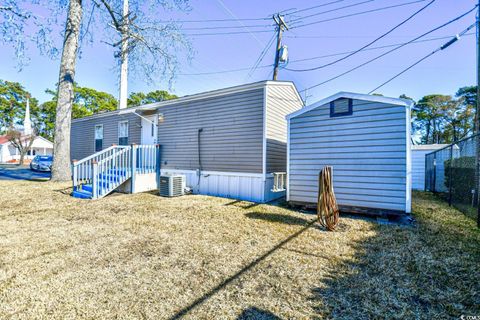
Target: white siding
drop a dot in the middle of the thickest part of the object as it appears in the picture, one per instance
(418, 164)
(281, 101)
(367, 150)
(418, 169)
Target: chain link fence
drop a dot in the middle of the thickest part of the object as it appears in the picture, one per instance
(451, 173)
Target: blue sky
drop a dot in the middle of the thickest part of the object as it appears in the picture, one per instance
(442, 73)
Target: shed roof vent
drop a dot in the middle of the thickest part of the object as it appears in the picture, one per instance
(341, 107)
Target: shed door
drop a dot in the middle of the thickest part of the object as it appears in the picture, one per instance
(149, 130)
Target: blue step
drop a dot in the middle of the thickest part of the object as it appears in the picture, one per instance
(110, 177)
(82, 194)
(121, 172)
(87, 187)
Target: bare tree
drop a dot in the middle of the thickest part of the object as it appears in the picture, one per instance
(154, 47)
(61, 162)
(23, 143)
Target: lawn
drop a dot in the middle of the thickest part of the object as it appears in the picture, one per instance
(146, 257)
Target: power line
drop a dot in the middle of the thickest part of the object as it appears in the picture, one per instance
(357, 13)
(314, 7)
(215, 20)
(392, 50)
(317, 57)
(331, 10)
(226, 33)
(262, 55)
(239, 22)
(307, 24)
(368, 44)
(375, 48)
(443, 47)
(228, 27)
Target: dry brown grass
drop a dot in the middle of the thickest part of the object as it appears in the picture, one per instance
(143, 256)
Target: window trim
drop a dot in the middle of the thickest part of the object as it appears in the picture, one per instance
(95, 138)
(118, 131)
(341, 114)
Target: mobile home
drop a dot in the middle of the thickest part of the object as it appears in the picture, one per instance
(227, 142)
(366, 139)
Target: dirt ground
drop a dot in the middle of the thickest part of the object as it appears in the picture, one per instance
(146, 257)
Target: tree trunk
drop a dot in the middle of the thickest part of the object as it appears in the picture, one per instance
(61, 170)
(22, 158)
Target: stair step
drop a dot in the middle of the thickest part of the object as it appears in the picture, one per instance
(82, 194)
(87, 188)
(110, 177)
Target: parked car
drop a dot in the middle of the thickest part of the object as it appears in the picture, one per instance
(41, 163)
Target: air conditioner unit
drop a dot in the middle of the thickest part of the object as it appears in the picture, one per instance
(172, 185)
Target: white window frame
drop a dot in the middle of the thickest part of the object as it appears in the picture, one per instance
(128, 129)
(95, 137)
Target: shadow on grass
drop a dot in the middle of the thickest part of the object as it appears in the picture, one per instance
(242, 204)
(425, 272)
(278, 218)
(254, 313)
(183, 312)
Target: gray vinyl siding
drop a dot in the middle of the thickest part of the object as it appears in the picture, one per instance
(82, 137)
(232, 137)
(281, 101)
(418, 168)
(367, 151)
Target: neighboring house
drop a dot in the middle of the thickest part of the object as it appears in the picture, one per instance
(41, 146)
(366, 139)
(10, 154)
(226, 142)
(418, 163)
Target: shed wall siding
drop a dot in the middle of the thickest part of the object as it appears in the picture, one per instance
(82, 137)
(281, 101)
(367, 150)
(232, 135)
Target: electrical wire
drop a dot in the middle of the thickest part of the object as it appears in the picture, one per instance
(215, 20)
(368, 44)
(314, 7)
(443, 47)
(316, 57)
(227, 27)
(331, 10)
(307, 24)
(392, 50)
(262, 55)
(356, 14)
(375, 48)
(224, 6)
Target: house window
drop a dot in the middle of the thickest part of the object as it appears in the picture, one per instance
(123, 133)
(341, 107)
(98, 137)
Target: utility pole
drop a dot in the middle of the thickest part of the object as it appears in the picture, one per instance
(477, 119)
(122, 99)
(280, 26)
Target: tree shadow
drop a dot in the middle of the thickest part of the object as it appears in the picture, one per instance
(422, 272)
(242, 204)
(183, 312)
(277, 218)
(254, 313)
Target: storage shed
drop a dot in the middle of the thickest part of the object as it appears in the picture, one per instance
(366, 139)
(418, 163)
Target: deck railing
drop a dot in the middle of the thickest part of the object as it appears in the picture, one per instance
(109, 168)
(111, 172)
(82, 169)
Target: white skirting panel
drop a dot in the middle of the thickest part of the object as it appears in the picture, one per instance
(235, 185)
